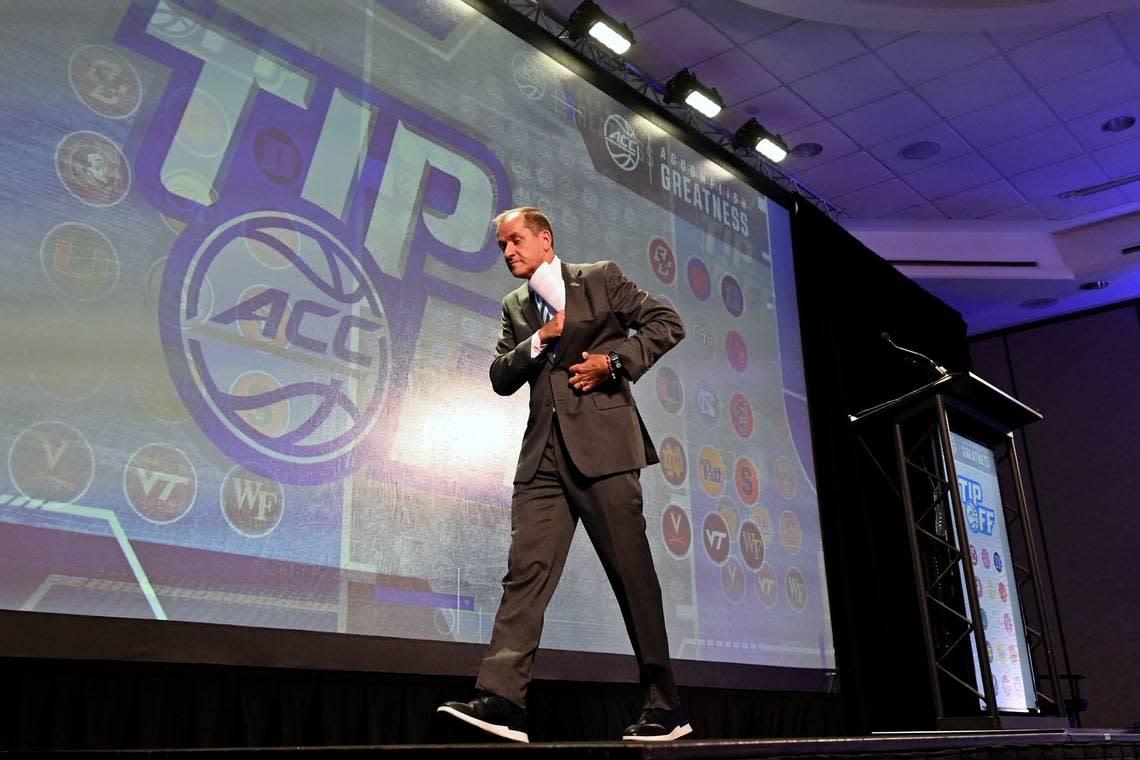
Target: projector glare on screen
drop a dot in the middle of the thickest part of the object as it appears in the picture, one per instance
(250, 299)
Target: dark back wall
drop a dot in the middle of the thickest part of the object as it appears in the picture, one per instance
(1083, 374)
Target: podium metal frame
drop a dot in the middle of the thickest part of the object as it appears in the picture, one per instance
(920, 423)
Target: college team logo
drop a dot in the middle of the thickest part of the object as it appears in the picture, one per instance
(790, 533)
(92, 168)
(252, 504)
(707, 404)
(1003, 594)
(732, 580)
(736, 351)
(670, 391)
(308, 374)
(796, 589)
(160, 483)
(621, 142)
(676, 531)
(747, 481)
(751, 545)
(104, 81)
(51, 461)
(710, 468)
(79, 261)
(716, 538)
(732, 295)
(785, 477)
(740, 411)
(672, 456)
(700, 281)
(767, 586)
(662, 261)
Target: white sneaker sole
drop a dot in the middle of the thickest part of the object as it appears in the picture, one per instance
(676, 733)
(491, 728)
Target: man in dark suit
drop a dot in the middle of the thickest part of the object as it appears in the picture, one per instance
(582, 451)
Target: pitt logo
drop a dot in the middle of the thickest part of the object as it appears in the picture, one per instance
(710, 467)
(979, 518)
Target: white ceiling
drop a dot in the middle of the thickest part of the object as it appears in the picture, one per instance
(1014, 92)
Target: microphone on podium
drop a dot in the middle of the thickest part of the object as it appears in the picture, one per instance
(915, 356)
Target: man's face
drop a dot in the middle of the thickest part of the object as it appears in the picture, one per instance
(523, 249)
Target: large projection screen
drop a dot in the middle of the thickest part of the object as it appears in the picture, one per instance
(250, 295)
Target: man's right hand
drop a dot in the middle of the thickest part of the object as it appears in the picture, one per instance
(552, 330)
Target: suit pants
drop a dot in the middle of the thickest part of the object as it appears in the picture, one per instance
(544, 514)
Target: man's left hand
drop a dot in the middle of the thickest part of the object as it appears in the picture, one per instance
(590, 373)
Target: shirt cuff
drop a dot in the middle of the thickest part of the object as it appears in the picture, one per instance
(536, 346)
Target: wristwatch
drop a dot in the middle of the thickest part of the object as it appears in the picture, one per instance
(615, 364)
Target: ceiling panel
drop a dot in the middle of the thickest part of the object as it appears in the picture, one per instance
(952, 146)
(926, 55)
(849, 85)
(676, 40)
(804, 48)
(879, 200)
(1018, 36)
(1094, 90)
(835, 144)
(876, 38)
(990, 81)
(1020, 115)
(739, 21)
(1086, 46)
(1121, 160)
(780, 110)
(1057, 178)
(1053, 207)
(886, 119)
(982, 201)
(845, 175)
(1089, 129)
(1031, 151)
(923, 212)
(736, 76)
(952, 176)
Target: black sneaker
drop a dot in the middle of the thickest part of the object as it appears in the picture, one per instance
(657, 725)
(491, 713)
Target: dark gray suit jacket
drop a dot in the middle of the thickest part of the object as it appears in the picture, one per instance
(603, 430)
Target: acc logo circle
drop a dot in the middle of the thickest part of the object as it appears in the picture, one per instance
(707, 404)
(716, 538)
(732, 580)
(105, 81)
(79, 261)
(160, 483)
(673, 465)
(711, 470)
(736, 351)
(732, 295)
(790, 534)
(700, 281)
(785, 477)
(92, 168)
(747, 480)
(795, 588)
(51, 461)
(299, 409)
(740, 411)
(670, 391)
(528, 74)
(751, 545)
(622, 143)
(252, 503)
(662, 261)
(767, 586)
(676, 531)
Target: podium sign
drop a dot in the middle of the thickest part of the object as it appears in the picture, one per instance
(994, 582)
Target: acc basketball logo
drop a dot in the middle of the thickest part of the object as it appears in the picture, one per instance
(301, 377)
(767, 586)
(670, 392)
(160, 483)
(790, 534)
(736, 351)
(707, 403)
(732, 295)
(92, 168)
(251, 503)
(673, 464)
(700, 281)
(741, 413)
(51, 461)
(747, 481)
(716, 538)
(676, 530)
(662, 261)
(79, 261)
(529, 76)
(104, 81)
(751, 545)
(732, 580)
(710, 468)
(622, 143)
(796, 589)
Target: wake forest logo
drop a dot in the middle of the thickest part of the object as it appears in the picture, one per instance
(621, 142)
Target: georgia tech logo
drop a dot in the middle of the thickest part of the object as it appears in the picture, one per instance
(621, 142)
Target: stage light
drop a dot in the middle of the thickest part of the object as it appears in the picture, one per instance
(589, 19)
(685, 88)
(753, 135)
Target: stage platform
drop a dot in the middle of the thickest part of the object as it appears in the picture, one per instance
(972, 745)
